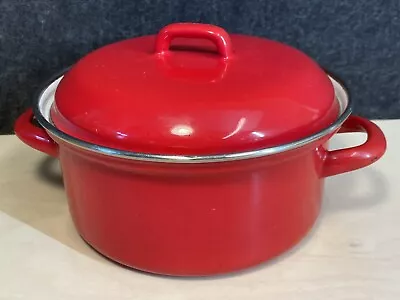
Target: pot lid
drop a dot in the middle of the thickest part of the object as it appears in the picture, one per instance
(194, 90)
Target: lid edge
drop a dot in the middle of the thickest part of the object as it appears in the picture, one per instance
(43, 105)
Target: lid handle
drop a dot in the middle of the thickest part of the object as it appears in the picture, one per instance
(194, 30)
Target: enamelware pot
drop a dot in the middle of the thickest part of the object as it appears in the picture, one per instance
(194, 152)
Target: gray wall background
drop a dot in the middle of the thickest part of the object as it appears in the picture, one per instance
(358, 40)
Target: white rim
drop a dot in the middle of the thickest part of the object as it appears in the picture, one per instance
(45, 101)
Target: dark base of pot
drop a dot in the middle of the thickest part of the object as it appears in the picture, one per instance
(272, 259)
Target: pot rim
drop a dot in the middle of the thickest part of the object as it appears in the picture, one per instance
(41, 109)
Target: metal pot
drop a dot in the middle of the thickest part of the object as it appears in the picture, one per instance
(195, 152)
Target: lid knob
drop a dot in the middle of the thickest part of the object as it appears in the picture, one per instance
(215, 34)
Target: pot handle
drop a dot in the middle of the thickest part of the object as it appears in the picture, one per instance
(349, 159)
(194, 30)
(34, 135)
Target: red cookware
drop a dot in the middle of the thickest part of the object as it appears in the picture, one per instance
(195, 152)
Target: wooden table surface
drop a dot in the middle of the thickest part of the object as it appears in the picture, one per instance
(353, 251)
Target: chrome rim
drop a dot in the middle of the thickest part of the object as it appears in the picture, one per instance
(45, 99)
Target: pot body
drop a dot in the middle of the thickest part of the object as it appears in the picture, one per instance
(193, 219)
(203, 218)
(179, 208)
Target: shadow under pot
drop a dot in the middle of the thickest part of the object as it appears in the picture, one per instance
(194, 152)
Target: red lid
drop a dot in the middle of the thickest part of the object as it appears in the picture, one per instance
(194, 89)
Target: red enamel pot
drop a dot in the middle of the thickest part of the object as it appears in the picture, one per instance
(194, 152)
